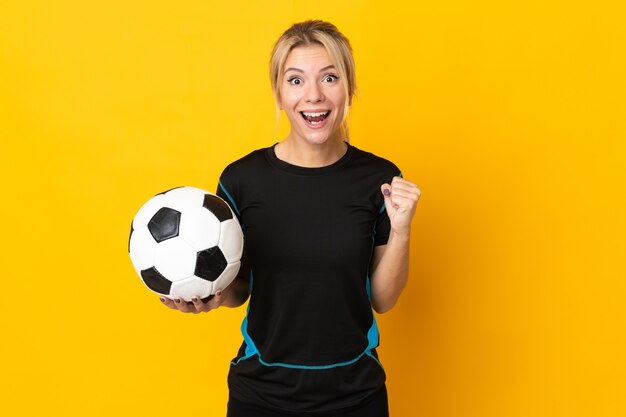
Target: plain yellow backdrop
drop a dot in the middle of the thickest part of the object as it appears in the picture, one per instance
(510, 116)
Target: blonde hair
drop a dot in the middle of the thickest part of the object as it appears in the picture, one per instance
(315, 32)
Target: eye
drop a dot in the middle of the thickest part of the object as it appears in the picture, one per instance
(330, 78)
(294, 81)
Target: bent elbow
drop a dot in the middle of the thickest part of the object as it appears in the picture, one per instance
(382, 308)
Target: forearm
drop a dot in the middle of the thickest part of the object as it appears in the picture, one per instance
(391, 273)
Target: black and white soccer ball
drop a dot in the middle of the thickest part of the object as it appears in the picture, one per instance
(186, 242)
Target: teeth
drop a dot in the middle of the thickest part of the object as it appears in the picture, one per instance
(308, 114)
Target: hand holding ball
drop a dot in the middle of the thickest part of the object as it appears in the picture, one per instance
(186, 242)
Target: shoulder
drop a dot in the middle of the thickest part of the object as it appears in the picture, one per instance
(245, 165)
(369, 162)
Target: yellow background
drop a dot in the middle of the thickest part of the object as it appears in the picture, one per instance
(510, 116)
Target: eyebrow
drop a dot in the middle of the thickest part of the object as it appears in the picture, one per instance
(299, 70)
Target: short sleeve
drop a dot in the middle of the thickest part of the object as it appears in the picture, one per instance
(382, 227)
(227, 190)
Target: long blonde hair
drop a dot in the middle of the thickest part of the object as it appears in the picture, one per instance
(315, 32)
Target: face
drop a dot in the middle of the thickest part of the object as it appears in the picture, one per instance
(312, 95)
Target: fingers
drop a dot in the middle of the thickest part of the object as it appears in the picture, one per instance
(399, 196)
(404, 189)
(177, 303)
(184, 306)
(169, 303)
(196, 305)
(399, 183)
(208, 304)
(400, 191)
(215, 302)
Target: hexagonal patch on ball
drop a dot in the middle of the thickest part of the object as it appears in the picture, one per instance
(200, 228)
(164, 224)
(231, 240)
(184, 198)
(175, 259)
(217, 206)
(142, 249)
(191, 286)
(147, 211)
(210, 264)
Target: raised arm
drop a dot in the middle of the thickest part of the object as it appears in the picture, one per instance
(390, 262)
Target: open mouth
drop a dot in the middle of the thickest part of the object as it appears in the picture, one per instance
(314, 118)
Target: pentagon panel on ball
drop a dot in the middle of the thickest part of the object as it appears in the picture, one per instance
(186, 242)
(164, 224)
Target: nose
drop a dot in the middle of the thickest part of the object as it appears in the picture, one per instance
(314, 93)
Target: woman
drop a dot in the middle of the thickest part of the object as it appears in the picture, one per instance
(327, 229)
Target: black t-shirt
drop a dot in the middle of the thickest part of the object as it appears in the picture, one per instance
(309, 333)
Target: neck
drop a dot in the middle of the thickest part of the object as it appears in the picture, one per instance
(310, 155)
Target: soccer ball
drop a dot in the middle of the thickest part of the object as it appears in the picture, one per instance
(185, 242)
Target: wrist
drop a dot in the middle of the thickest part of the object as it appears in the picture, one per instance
(400, 235)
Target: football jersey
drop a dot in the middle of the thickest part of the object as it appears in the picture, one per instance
(309, 335)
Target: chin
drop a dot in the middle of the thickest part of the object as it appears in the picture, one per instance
(320, 138)
(317, 140)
